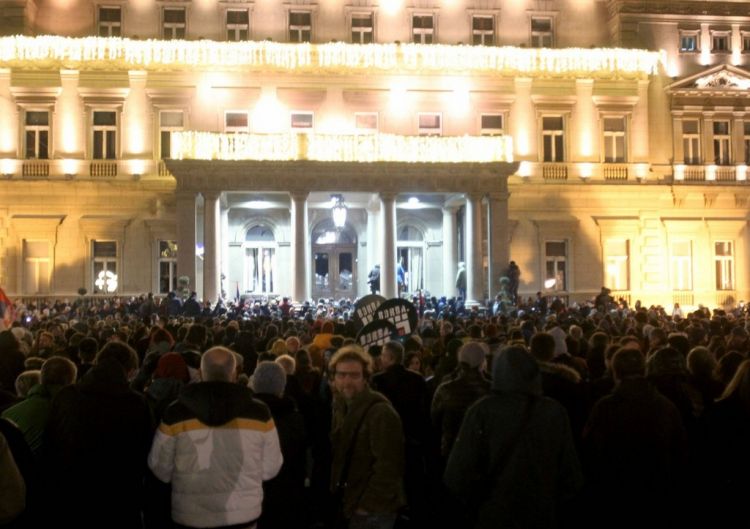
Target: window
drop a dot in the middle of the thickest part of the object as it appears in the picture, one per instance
(617, 268)
(366, 122)
(724, 259)
(110, 21)
(302, 121)
(260, 260)
(553, 138)
(236, 121)
(745, 37)
(722, 141)
(36, 134)
(691, 141)
(423, 29)
(105, 135)
(689, 42)
(483, 30)
(746, 140)
(491, 124)
(541, 32)
(169, 121)
(300, 26)
(174, 23)
(362, 28)
(167, 266)
(614, 140)
(430, 124)
(36, 267)
(682, 265)
(556, 265)
(238, 24)
(104, 266)
(720, 41)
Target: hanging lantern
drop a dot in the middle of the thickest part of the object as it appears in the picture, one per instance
(339, 211)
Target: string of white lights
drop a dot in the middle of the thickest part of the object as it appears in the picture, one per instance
(194, 145)
(114, 52)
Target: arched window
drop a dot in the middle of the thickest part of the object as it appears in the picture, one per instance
(410, 250)
(326, 233)
(260, 260)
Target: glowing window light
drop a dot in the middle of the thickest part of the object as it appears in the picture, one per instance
(106, 281)
(340, 147)
(741, 173)
(119, 53)
(7, 167)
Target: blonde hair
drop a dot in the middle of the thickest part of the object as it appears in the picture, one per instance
(278, 348)
(287, 362)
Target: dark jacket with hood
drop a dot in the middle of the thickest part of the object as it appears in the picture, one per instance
(514, 462)
(94, 451)
(216, 445)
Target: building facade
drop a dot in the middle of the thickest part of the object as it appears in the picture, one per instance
(594, 143)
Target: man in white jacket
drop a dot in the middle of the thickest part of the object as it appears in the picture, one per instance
(216, 445)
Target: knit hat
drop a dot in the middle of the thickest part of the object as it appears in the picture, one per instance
(269, 378)
(172, 365)
(558, 334)
(666, 361)
(473, 354)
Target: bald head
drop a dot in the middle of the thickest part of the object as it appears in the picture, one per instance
(218, 364)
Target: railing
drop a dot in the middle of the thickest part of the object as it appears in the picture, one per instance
(103, 169)
(695, 173)
(726, 298)
(615, 172)
(555, 171)
(35, 169)
(683, 297)
(726, 174)
(621, 294)
(162, 169)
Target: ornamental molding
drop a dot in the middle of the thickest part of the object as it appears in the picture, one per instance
(723, 79)
(194, 176)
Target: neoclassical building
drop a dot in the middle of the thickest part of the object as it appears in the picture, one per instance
(287, 148)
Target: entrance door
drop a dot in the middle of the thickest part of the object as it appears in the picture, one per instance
(334, 256)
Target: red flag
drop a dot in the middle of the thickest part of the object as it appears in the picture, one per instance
(6, 310)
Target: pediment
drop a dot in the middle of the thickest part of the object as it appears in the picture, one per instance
(722, 78)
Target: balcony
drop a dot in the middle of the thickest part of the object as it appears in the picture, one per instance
(103, 169)
(35, 169)
(614, 171)
(556, 172)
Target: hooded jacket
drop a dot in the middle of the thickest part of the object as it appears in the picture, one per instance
(514, 460)
(216, 445)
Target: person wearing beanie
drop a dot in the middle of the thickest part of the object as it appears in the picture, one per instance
(268, 383)
(514, 462)
(169, 377)
(454, 397)
(635, 447)
(667, 370)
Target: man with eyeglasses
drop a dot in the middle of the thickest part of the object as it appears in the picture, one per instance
(368, 445)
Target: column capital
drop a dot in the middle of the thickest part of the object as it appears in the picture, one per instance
(211, 195)
(498, 195)
(299, 196)
(449, 210)
(475, 196)
(388, 196)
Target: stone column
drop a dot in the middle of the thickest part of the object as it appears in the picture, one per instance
(639, 125)
(186, 236)
(474, 287)
(388, 286)
(8, 118)
(497, 239)
(211, 238)
(450, 251)
(299, 272)
(224, 252)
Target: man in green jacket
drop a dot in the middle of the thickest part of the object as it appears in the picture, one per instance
(30, 415)
(367, 431)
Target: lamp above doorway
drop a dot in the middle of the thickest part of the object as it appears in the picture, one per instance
(338, 209)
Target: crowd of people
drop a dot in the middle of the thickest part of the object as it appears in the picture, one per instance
(147, 413)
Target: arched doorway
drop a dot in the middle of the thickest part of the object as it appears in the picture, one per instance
(260, 261)
(334, 260)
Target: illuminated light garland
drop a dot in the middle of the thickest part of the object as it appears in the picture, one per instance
(192, 145)
(119, 53)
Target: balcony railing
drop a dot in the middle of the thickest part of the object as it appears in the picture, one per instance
(695, 173)
(35, 169)
(555, 171)
(615, 172)
(103, 169)
(726, 173)
(162, 169)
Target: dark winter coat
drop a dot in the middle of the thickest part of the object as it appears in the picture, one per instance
(517, 484)
(95, 447)
(375, 478)
(407, 392)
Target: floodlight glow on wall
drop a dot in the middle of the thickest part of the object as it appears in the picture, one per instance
(338, 211)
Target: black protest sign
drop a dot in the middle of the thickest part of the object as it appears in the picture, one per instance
(378, 332)
(400, 313)
(364, 310)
